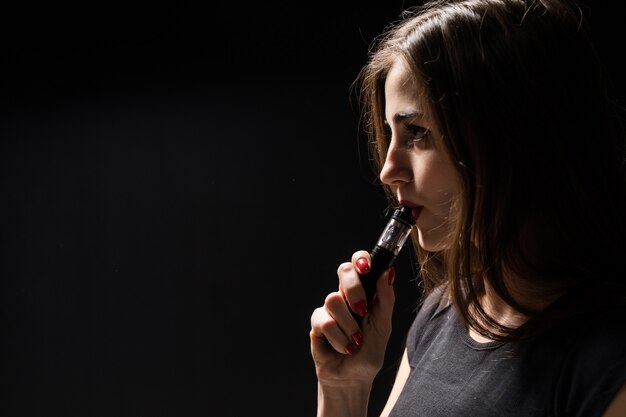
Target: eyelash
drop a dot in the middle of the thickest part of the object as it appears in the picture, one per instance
(418, 133)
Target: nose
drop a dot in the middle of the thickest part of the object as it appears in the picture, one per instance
(397, 167)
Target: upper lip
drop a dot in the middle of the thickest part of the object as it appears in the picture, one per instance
(408, 204)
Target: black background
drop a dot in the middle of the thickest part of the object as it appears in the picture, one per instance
(178, 187)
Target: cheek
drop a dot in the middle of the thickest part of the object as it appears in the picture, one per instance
(436, 179)
(446, 195)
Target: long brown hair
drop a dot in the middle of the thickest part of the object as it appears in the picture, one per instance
(520, 96)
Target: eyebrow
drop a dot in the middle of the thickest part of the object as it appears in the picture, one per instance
(401, 116)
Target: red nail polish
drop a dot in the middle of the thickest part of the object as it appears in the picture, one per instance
(357, 338)
(349, 349)
(392, 275)
(361, 308)
(362, 265)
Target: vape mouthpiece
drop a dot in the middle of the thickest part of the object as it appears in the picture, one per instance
(405, 214)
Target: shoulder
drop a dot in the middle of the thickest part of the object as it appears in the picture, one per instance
(432, 306)
(599, 336)
(433, 303)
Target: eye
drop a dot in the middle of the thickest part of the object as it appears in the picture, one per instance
(416, 132)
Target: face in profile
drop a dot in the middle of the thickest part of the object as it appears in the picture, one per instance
(416, 167)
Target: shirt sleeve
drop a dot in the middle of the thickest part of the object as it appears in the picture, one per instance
(595, 371)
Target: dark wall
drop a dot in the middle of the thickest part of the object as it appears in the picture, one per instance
(178, 187)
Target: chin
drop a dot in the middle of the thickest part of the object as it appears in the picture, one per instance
(432, 243)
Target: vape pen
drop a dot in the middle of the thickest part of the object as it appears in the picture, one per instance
(387, 248)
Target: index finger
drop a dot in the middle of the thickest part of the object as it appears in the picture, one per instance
(362, 261)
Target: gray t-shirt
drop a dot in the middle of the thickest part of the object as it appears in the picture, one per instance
(575, 369)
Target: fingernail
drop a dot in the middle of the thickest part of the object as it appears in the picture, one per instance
(362, 265)
(349, 349)
(392, 275)
(361, 308)
(357, 338)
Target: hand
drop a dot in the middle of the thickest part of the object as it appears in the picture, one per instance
(344, 353)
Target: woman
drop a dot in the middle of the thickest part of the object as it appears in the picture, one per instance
(491, 119)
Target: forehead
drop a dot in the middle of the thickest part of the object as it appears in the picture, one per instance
(403, 91)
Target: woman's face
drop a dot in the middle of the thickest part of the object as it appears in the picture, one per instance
(416, 166)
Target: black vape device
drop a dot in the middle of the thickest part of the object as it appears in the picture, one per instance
(387, 248)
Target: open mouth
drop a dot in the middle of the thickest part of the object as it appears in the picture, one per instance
(415, 209)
